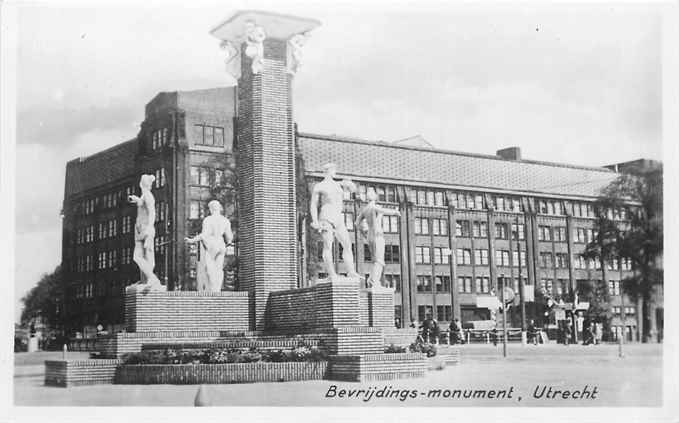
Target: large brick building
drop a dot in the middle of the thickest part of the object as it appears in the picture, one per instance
(468, 223)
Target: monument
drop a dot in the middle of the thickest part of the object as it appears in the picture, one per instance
(216, 227)
(144, 236)
(329, 221)
(369, 222)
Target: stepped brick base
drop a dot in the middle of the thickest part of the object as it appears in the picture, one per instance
(353, 340)
(66, 373)
(194, 374)
(322, 306)
(380, 307)
(186, 310)
(368, 367)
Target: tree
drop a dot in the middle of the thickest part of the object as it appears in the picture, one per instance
(42, 301)
(637, 196)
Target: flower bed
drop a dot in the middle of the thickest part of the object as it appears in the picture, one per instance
(172, 356)
(181, 374)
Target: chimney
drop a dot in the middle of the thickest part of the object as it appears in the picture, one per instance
(510, 153)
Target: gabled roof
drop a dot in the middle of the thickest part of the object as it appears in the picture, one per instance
(101, 168)
(424, 166)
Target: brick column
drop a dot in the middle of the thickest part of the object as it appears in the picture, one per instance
(268, 48)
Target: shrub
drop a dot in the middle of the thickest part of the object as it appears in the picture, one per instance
(426, 348)
(394, 349)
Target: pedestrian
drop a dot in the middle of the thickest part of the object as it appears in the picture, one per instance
(456, 332)
(430, 328)
(568, 331)
(532, 333)
(493, 336)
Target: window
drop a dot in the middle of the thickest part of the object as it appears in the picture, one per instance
(613, 287)
(616, 310)
(340, 254)
(519, 255)
(390, 224)
(210, 135)
(481, 257)
(463, 256)
(546, 259)
(561, 287)
(393, 281)
(544, 233)
(546, 286)
(160, 178)
(478, 201)
(501, 231)
(502, 258)
(421, 197)
(444, 313)
(440, 257)
(439, 226)
(422, 255)
(480, 229)
(499, 203)
(630, 311)
(200, 176)
(464, 284)
(626, 263)
(127, 224)
(462, 228)
(197, 209)
(518, 231)
(438, 198)
(590, 235)
(392, 254)
(423, 283)
(442, 283)
(579, 262)
(561, 261)
(112, 228)
(482, 284)
(349, 220)
(159, 138)
(367, 256)
(421, 226)
(422, 312)
(559, 233)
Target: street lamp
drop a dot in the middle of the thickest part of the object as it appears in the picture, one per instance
(504, 316)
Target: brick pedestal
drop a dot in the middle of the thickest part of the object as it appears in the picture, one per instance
(186, 311)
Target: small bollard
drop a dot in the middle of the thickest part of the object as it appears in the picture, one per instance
(620, 354)
(487, 338)
(64, 352)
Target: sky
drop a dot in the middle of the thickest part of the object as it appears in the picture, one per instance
(576, 83)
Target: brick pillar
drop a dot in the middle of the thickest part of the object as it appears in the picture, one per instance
(266, 151)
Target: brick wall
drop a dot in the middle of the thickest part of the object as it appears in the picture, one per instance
(322, 306)
(186, 310)
(360, 368)
(266, 170)
(66, 373)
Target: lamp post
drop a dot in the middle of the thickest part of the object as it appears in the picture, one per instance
(504, 316)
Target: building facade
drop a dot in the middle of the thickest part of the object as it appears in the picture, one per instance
(469, 223)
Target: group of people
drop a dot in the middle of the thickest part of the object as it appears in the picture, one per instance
(431, 331)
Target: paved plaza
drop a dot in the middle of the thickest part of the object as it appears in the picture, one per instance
(635, 380)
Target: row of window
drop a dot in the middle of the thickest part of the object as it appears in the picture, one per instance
(438, 226)
(206, 176)
(114, 199)
(463, 256)
(551, 288)
(389, 223)
(444, 313)
(212, 136)
(109, 228)
(423, 255)
(629, 311)
(392, 253)
(479, 229)
(424, 283)
(558, 260)
(159, 138)
(482, 284)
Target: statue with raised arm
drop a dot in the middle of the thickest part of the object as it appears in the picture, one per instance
(144, 235)
(329, 219)
(369, 222)
(216, 228)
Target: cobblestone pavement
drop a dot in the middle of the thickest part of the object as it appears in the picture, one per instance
(635, 380)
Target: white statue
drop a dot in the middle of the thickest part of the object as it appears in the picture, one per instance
(216, 227)
(369, 222)
(330, 220)
(144, 235)
(295, 44)
(254, 48)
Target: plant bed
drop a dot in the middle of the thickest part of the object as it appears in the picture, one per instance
(174, 356)
(187, 374)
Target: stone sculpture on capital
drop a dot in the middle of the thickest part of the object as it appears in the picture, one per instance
(216, 228)
(329, 220)
(144, 236)
(369, 223)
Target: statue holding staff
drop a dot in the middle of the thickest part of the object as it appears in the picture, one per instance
(216, 228)
(329, 220)
(369, 222)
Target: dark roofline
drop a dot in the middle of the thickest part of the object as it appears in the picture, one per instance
(115, 147)
(441, 151)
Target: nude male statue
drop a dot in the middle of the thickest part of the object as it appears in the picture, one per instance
(329, 221)
(144, 234)
(216, 227)
(369, 222)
